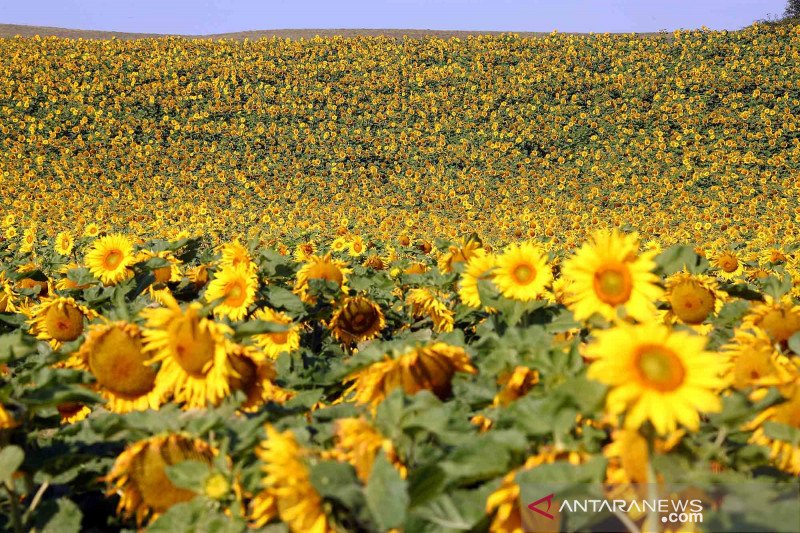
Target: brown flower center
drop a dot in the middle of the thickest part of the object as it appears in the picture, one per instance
(117, 361)
(613, 284)
(659, 367)
(64, 322)
(692, 302)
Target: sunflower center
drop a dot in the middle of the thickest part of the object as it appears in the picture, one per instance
(117, 361)
(780, 325)
(692, 303)
(659, 367)
(149, 475)
(235, 293)
(612, 284)
(524, 274)
(728, 263)
(64, 322)
(112, 259)
(192, 346)
(279, 337)
(162, 274)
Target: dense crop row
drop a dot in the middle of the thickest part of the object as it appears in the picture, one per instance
(366, 285)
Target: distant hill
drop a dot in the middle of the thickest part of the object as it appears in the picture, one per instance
(10, 30)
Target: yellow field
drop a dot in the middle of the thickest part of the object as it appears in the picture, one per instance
(373, 284)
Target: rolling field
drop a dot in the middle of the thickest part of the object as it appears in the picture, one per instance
(374, 283)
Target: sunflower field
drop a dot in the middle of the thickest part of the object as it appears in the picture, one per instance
(370, 284)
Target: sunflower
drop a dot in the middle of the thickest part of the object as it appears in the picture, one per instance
(64, 243)
(515, 385)
(657, 374)
(235, 254)
(322, 268)
(6, 296)
(71, 413)
(304, 250)
(195, 366)
(692, 298)
(277, 342)
(606, 274)
(756, 363)
(288, 493)
(356, 246)
(110, 257)
(357, 319)
(780, 319)
(115, 355)
(628, 457)
(729, 265)
(198, 275)
(424, 302)
(429, 367)
(374, 262)
(139, 475)
(786, 455)
(236, 287)
(479, 267)
(459, 253)
(167, 273)
(522, 272)
(91, 230)
(358, 443)
(57, 320)
(504, 504)
(254, 375)
(28, 240)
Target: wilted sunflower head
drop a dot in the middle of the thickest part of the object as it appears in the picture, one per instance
(139, 474)
(692, 298)
(780, 319)
(428, 367)
(193, 353)
(58, 320)
(110, 257)
(357, 319)
(114, 353)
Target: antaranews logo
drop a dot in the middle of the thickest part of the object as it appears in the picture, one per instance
(535, 506)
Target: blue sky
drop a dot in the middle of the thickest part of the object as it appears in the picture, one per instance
(218, 16)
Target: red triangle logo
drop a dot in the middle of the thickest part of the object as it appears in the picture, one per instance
(549, 500)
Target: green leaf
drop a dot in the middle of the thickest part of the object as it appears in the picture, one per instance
(256, 327)
(280, 297)
(794, 343)
(674, 258)
(190, 475)
(11, 458)
(57, 516)
(424, 484)
(784, 432)
(196, 516)
(337, 481)
(387, 497)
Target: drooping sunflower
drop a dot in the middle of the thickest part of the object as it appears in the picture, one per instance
(357, 319)
(780, 319)
(479, 267)
(71, 412)
(236, 286)
(288, 493)
(657, 374)
(628, 457)
(64, 243)
(322, 268)
(606, 274)
(428, 367)
(139, 475)
(114, 353)
(459, 253)
(730, 266)
(358, 443)
(692, 298)
(278, 342)
(193, 351)
(786, 455)
(57, 320)
(110, 257)
(169, 272)
(757, 364)
(254, 375)
(424, 302)
(522, 272)
(515, 384)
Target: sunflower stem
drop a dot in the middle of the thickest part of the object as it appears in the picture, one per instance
(16, 519)
(651, 522)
